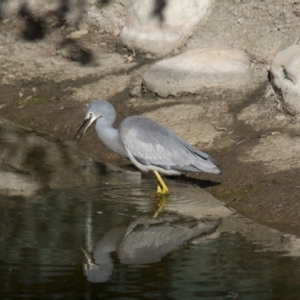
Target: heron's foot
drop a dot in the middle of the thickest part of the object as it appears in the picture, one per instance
(162, 190)
(163, 199)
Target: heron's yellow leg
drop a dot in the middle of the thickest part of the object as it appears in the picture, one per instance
(161, 187)
(160, 205)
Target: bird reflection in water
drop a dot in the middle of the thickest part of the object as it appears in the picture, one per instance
(143, 241)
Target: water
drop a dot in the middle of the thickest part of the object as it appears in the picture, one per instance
(107, 212)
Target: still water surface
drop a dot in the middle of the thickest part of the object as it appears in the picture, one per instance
(107, 213)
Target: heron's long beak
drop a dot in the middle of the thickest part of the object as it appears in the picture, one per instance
(85, 125)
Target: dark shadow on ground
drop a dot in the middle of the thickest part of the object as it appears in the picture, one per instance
(201, 183)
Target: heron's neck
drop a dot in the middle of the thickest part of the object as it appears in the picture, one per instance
(110, 137)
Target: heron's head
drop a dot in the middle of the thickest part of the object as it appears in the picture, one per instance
(96, 110)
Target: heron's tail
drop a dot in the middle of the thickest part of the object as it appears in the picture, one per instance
(214, 167)
(207, 164)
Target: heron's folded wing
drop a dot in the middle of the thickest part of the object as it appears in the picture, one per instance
(150, 143)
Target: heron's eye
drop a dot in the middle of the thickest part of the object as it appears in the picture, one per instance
(90, 115)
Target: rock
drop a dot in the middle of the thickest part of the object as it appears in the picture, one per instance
(15, 184)
(74, 51)
(285, 78)
(77, 34)
(196, 69)
(82, 25)
(160, 30)
(117, 32)
(136, 91)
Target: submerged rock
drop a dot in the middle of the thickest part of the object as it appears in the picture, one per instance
(160, 30)
(285, 78)
(196, 69)
(17, 184)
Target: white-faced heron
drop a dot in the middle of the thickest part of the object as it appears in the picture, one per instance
(149, 145)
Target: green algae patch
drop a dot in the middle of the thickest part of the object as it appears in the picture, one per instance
(241, 193)
(33, 100)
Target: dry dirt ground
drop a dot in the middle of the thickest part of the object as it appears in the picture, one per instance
(46, 84)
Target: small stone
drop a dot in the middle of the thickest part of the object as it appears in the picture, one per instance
(117, 32)
(83, 25)
(129, 59)
(77, 34)
(136, 91)
(297, 12)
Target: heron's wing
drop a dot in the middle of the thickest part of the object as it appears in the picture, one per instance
(151, 143)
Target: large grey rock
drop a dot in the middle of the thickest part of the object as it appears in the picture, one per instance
(196, 69)
(160, 34)
(285, 78)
